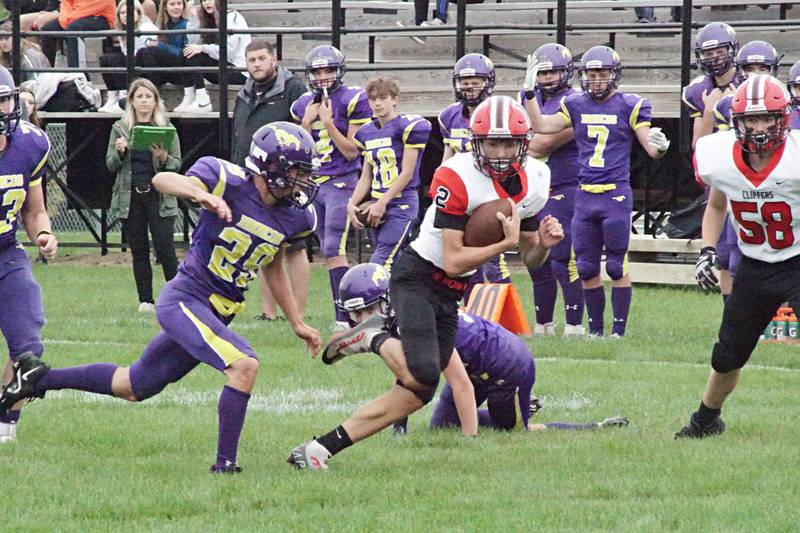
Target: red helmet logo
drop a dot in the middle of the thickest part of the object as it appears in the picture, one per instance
(499, 117)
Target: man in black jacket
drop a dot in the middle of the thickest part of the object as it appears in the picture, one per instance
(266, 97)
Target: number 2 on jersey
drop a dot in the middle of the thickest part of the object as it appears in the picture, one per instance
(777, 226)
(601, 134)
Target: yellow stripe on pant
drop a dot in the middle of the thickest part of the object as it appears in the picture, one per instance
(224, 349)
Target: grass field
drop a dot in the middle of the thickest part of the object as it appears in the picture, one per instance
(90, 463)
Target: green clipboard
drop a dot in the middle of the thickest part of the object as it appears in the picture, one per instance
(144, 136)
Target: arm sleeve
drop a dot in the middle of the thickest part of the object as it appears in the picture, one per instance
(564, 112)
(686, 97)
(209, 174)
(358, 110)
(43, 145)
(641, 114)
(448, 192)
(297, 110)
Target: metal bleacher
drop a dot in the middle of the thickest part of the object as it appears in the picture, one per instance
(657, 59)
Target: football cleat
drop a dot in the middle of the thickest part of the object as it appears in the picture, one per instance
(227, 468)
(28, 369)
(310, 455)
(355, 340)
(614, 421)
(536, 405)
(577, 330)
(693, 430)
(8, 433)
(545, 330)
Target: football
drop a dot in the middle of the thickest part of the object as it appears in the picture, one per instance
(483, 228)
(363, 207)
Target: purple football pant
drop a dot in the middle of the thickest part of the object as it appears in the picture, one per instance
(602, 221)
(193, 332)
(560, 266)
(501, 400)
(21, 311)
(333, 224)
(728, 253)
(393, 235)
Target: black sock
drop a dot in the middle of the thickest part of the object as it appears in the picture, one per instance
(705, 415)
(336, 441)
(377, 342)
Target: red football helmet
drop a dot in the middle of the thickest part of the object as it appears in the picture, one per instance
(760, 95)
(499, 117)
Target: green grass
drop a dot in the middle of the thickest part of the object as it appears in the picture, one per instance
(86, 463)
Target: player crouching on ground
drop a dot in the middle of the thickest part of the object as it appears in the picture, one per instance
(752, 172)
(430, 277)
(247, 216)
(499, 366)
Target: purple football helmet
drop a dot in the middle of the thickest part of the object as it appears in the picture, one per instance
(600, 58)
(8, 90)
(757, 53)
(794, 81)
(362, 287)
(278, 147)
(553, 56)
(710, 37)
(473, 66)
(325, 56)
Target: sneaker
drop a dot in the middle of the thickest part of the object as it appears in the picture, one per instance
(353, 341)
(147, 307)
(433, 22)
(416, 38)
(693, 430)
(188, 99)
(112, 103)
(28, 369)
(576, 330)
(227, 468)
(200, 105)
(310, 455)
(8, 433)
(614, 421)
(543, 330)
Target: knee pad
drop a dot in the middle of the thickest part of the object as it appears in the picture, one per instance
(724, 359)
(587, 270)
(425, 393)
(615, 268)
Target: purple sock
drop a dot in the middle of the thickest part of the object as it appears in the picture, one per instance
(336, 275)
(573, 296)
(545, 290)
(484, 418)
(595, 307)
(621, 304)
(570, 425)
(11, 417)
(232, 409)
(90, 378)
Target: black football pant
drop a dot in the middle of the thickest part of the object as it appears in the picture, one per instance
(759, 289)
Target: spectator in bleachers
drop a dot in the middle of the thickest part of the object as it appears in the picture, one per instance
(35, 13)
(440, 15)
(205, 53)
(267, 96)
(166, 50)
(28, 99)
(116, 83)
(134, 199)
(32, 57)
(149, 9)
(645, 14)
(77, 15)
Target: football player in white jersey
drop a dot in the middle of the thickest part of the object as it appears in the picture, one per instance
(753, 172)
(431, 275)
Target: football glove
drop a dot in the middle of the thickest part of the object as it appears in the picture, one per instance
(703, 269)
(657, 139)
(531, 72)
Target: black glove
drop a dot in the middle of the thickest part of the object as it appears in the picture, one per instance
(703, 271)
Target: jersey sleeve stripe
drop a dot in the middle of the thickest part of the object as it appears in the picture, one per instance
(564, 113)
(219, 188)
(43, 161)
(198, 182)
(635, 116)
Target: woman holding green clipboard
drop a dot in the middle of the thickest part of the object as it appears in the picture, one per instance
(143, 143)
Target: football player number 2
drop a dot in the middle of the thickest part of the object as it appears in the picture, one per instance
(601, 134)
(777, 223)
